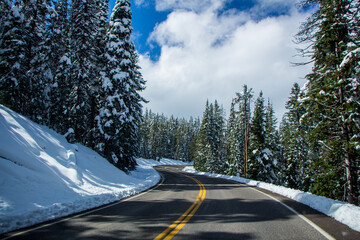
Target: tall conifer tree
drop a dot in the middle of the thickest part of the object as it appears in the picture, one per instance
(244, 100)
(62, 68)
(37, 37)
(295, 167)
(261, 164)
(233, 143)
(332, 96)
(13, 79)
(120, 114)
(83, 53)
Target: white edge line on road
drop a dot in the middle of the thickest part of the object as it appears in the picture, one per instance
(316, 227)
(64, 219)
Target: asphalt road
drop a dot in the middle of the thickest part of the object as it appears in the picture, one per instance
(186, 206)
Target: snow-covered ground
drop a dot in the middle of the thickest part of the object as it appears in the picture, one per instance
(43, 177)
(343, 212)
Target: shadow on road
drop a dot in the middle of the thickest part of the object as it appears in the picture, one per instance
(146, 216)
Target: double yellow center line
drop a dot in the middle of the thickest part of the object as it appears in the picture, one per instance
(176, 226)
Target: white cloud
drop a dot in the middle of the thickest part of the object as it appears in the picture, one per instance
(207, 56)
(143, 3)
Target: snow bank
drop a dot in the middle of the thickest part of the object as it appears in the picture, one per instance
(343, 212)
(43, 177)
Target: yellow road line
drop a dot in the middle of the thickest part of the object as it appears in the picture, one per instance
(176, 226)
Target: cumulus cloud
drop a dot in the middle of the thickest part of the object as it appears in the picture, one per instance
(205, 55)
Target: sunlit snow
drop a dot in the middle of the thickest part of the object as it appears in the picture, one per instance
(43, 177)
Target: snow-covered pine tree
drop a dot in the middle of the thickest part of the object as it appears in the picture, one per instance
(195, 130)
(261, 165)
(237, 137)
(153, 136)
(37, 15)
(84, 59)
(171, 143)
(332, 96)
(59, 33)
(209, 152)
(182, 141)
(297, 156)
(133, 84)
(258, 124)
(232, 142)
(272, 141)
(216, 161)
(63, 70)
(4, 9)
(244, 121)
(14, 83)
(272, 135)
(202, 145)
(143, 150)
(120, 113)
(288, 164)
(102, 11)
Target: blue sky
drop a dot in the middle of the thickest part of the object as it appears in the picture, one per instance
(146, 17)
(194, 50)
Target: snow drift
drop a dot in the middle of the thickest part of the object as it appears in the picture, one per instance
(43, 177)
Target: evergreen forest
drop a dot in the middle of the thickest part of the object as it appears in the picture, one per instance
(65, 65)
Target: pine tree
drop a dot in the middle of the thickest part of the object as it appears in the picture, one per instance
(202, 146)
(83, 54)
(62, 68)
(261, 162)
(216, 162)
(182, 141)
(244, 100)
(13, 79)
(331, 96)
(295, 167)
(272, 135)
(237, 137)
(209, 146)
(233, 143)
(60, 33)
(272, 141)
(120, 114)
(153, 136)
(132, 85)
(195, 129)
(257, 139)
(144, 135)
(170, 129)
(193, 132)
(37, 37)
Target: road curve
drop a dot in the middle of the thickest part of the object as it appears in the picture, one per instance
(187, 206)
